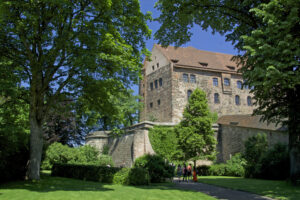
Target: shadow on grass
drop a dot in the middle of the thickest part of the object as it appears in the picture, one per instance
(50, 184)
(270, 188)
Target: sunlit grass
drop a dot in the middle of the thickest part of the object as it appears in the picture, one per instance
(274, 189)
(56, 188)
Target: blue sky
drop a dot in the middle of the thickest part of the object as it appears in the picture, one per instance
(203, 40)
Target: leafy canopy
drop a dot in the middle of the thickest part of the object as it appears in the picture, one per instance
(195, 135)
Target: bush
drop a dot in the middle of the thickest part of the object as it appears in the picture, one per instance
(139, 176)
(122, 177)
(255, 147)
(266, 163)
(203, 170)
(58, 153)
(85, 172)
(158, 169)
(233, 167)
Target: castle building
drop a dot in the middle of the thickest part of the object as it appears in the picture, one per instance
(171, 75)
(169, 78)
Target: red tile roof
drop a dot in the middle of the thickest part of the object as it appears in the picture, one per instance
(190, 56)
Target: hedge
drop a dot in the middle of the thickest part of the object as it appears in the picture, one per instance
(102, 174)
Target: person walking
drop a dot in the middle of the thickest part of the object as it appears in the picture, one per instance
(195, 179)
(189, 171)
(179, 172)
(184, 173)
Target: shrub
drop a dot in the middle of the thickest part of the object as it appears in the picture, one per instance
(58, 153)
(236, 166)
(158, 169)
(217, 170)
(255, 147)
(275, 163)
(85, 172)
(265, 163)
(203, 170)
(122, 177)
(139, 176)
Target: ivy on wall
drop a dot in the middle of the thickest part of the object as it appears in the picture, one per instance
(165, 143)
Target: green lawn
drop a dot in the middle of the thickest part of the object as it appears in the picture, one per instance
(57, 188)
(273, 189)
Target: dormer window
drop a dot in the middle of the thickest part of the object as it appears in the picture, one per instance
(174, 60)
(203, 64)
(230, 67)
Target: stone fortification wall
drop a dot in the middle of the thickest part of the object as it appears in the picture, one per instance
(204, 81)
(231, 139)
(126, 148)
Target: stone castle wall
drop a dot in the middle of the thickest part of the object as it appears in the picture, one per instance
(204, 81)
(231, 139)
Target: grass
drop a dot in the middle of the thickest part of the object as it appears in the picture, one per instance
(274, 189)
(56, 188)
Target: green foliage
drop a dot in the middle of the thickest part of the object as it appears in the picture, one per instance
(265, 163)
(66, 50)
(275, 163)
(58, 153)
(194, 133)
(14, 127)
(267, 33)
(165, 143)
(157, 167)
(255, 147)
(102, 174)
(122, 177)
(233, 167)
(139, 176)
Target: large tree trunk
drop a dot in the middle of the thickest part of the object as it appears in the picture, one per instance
(36, 148)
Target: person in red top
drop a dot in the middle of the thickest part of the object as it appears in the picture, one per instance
(195, 179)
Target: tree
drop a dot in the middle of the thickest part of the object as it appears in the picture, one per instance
(267, 34)
(194, 132)
(84, 50)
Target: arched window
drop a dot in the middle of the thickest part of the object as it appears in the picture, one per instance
(216, 98)
(239, 84)
(226, 82)
(249, 101)
(189, 93)
(237, 100)
(156, 83)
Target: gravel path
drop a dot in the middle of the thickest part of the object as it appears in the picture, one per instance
(219, 192)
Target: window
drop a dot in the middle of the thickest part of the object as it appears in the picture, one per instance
(193, 78)
(246, 87)
(239, 84)
(249, 101)
(155, 83)
(157, 65)
(152, 67)
(151, 85)
(226, 82)
(215, 82)
(160, 82)
(185, 78)
(151, 105)
(189, 93)
(216, 98)
(158, 102)
(237, 100)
